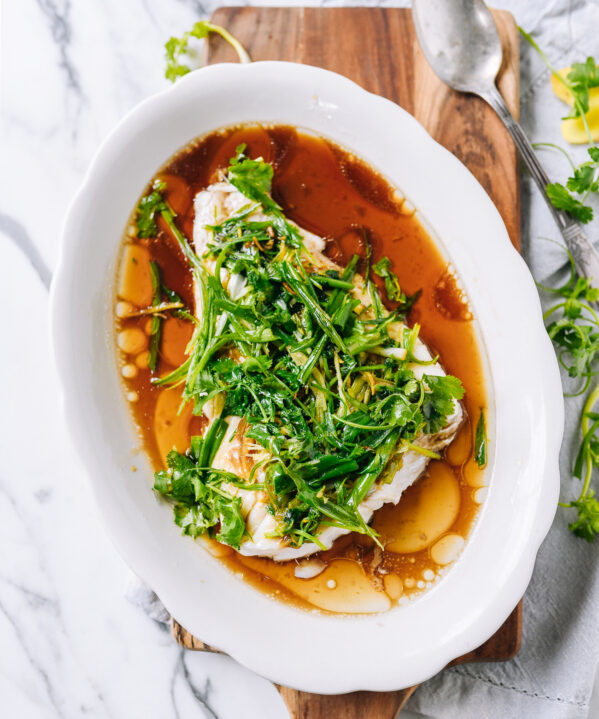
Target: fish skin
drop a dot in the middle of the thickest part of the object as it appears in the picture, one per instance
(212, 206)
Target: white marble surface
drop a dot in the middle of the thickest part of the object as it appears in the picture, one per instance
(71, 644)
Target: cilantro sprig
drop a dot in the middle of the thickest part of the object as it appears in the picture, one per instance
(321, 380)
(574, 330)
(177, 49)
(571, 198)
(583, 182)
(200, 503)
(382, 269)
(573, 322)
(586, 526)
(580, 79)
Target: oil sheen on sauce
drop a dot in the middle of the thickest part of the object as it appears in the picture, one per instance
(335, 195)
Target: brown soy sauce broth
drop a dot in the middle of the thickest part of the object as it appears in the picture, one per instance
(331, 193)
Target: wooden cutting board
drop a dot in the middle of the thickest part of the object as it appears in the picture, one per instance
(378, 49)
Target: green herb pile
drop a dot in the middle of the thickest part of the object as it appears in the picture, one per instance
(311, 360)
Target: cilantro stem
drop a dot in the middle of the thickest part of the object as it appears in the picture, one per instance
(312, 359)
(374, 468)
(555, 72)
(553, 146)
(480, 441)
(156, 327)
(242, 53)
(588, 406)
(176, 48)
(294, 280)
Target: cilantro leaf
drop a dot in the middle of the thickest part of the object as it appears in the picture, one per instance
(439, 400)
(253, 178)
(148, 208)
(382, 268)
(232, 524)
(578, 342)
(584, 179)
(587, 524)
(562, 199)
(200, 504)
(584, 73)
(177, 48)
(582, 77)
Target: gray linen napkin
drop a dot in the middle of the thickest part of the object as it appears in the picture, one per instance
(552, 677)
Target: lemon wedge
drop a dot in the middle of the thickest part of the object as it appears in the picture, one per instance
(573, 130)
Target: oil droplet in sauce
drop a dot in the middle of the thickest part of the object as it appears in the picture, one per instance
(309, 568)
(425, 512)
(142, 360)
(129, 371)
(132, 340)
(480, 495)
(393, 586)
(447, 549)
(473, 474)
(123, 309)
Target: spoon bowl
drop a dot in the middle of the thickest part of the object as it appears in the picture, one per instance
(460, 41)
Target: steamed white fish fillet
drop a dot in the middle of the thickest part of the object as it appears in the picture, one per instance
(212, 206)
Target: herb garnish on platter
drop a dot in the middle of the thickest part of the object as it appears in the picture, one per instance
(177, 48)
(573, 322)
(308, 356)
(577, 83)
(574, 329)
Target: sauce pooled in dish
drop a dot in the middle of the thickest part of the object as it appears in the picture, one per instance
(289, 335)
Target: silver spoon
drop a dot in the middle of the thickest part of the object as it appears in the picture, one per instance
(460, 41)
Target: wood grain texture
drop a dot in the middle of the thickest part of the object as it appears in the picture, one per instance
(357, 705)
(377, 48)
(503, 645)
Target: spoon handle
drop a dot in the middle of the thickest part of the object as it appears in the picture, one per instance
(584, 254)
